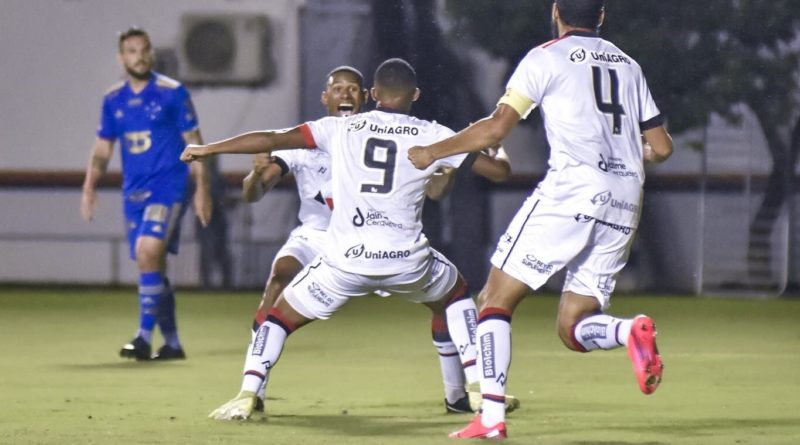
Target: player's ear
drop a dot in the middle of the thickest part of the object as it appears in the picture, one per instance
(416, 95)
(602, 17)
(373, 94)
(555, 14)
(324, 98)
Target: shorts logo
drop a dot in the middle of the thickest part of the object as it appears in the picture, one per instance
(605, 284)
(487, 355)
(261, 340)
(357, 125)
(578, 55)
(471, 319)
(593, 331)
(156, 213)
(533, 263)
(601, 198)
(355, 251)
(581, 218)
(318, 294)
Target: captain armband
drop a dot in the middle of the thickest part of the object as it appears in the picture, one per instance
(518, 101)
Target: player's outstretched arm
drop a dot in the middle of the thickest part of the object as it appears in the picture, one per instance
(658, 145)
(493, 164)
(202, 200)
(98, 163)
(248, 143)
(484, 133)
(261, 179)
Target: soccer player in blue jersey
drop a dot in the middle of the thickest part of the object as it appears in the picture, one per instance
(153, 118)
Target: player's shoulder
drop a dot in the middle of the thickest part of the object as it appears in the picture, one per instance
(166, 82)
(114, 89)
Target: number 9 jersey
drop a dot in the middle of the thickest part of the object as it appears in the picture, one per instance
(596, 104)
(376, 226)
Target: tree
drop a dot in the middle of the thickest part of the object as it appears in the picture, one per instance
(700, 59)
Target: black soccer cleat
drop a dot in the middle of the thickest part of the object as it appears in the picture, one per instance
(137, 349)
(460, 406)
(167, 352)
(259, 405)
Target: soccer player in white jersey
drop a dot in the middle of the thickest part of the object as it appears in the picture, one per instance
(343, 96)
(583, 216)
(376, 243)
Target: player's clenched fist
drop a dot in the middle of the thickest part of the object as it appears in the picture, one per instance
(194, 152)
(421, 157)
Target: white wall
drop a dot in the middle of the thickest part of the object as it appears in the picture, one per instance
(58, 58)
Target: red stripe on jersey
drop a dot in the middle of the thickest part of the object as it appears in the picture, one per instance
(308, 136)
(329, 201)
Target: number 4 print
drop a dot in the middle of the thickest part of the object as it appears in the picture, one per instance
(614, 108)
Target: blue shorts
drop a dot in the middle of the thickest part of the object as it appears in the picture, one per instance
(148, 214)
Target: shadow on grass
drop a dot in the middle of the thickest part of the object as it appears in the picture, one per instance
(360, 425)
(119, 365)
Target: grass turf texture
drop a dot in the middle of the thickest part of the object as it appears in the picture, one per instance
(370, 375)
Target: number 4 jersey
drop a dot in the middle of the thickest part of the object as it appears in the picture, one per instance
(376, 226)
(596, 104)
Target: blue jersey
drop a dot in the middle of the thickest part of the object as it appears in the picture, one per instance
(149, 126)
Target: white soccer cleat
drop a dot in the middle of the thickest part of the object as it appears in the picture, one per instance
(476, 399)
(240, 407)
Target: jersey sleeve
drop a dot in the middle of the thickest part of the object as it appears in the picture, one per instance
(186, 115)
(454, 161)
(106, 128)
(527, 84)
(287, 160)
(650, 116)
(320, 133)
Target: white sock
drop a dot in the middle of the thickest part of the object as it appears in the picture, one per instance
(602, 331)
(452, 372)
(462, 320)
(494, 340)
(263, 353)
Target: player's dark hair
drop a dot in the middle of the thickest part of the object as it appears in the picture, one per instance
(580, 13)
(396, 75)
(133, 31)
(347, 69)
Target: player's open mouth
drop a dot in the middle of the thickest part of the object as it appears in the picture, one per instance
(345, 110)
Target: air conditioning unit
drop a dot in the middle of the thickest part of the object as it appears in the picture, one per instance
(225, 49)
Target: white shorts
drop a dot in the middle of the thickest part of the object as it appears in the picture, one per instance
(304, 244)
(320, 289)
(543, 238)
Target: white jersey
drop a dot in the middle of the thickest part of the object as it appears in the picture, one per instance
(595, 103)
(376, 226)
(312, 174)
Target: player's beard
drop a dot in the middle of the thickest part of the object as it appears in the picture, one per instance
(139, 76)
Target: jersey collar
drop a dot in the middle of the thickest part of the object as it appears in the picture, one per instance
(582, 32)
(390, 110)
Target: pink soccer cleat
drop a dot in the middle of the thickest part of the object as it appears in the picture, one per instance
(644, 355)
(476, 430)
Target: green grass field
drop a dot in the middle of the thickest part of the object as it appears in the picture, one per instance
(370, 375)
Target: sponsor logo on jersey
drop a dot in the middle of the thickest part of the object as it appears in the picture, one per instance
(357, 125)
(374, 218)
(610, 57)
(601, 198)
(394, 129)
(615, 166)
(539, 266)
(135, 102)
(318, 294)
(593, 331)
(578, 55)
(139, 195)
(487, 355)
(471, 319)
(624, 205)
(355, 251)
(582, 218)
(261, 340)
(359, 250)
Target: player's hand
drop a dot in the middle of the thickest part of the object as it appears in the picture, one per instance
(194, 152)
(202, 203)
(421, 157)
(261, 161)
(88, 201)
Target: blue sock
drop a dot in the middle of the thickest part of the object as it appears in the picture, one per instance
(151, 286)
(166, 316)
